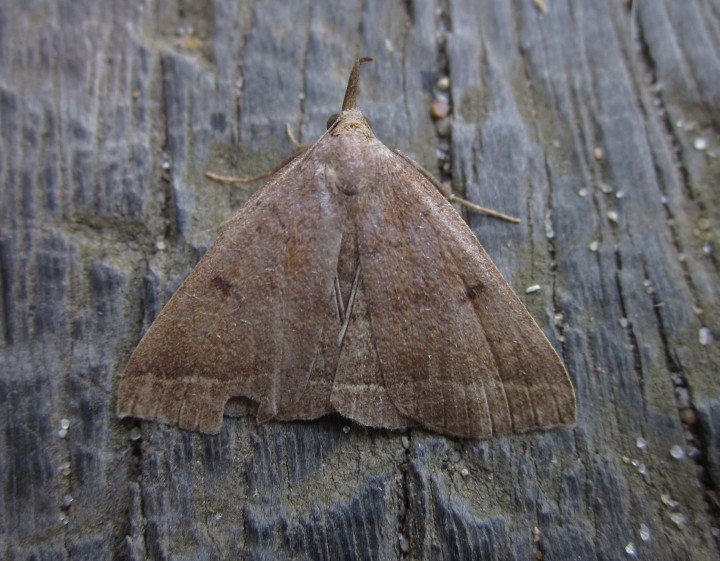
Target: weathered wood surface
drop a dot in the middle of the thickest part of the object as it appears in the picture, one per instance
(110, 113)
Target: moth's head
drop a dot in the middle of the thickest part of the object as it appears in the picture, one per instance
(351, 120)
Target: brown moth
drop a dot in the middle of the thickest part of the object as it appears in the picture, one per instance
(348, 284)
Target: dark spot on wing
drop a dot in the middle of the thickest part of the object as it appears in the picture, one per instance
(219, 283)
(475, 290)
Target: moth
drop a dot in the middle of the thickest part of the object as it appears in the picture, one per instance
(348, 284)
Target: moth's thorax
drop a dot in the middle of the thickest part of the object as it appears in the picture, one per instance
(354, 162)
(352, 121)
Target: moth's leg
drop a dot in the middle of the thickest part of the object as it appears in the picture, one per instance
(237, 180)
(452, 197)
(300, 149)
(291, 136)
(348, 310)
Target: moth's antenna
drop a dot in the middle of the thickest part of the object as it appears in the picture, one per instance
(350, 101)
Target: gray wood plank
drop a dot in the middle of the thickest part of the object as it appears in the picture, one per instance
(596, 123)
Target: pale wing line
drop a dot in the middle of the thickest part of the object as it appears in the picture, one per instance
(478, 391)
(341, 311)
(283, 289)
(557, 407)
(481, 327)
(182, 405)
(487, 407)
(349, 309)
(476, 382)
(547, 379)
(318, 351)
(282, 348)
(339, 305)
(530, 400)
(341, 337)
(547, 382)
(555, 404)
(465, 409)
(381, 367)
(483, 331)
